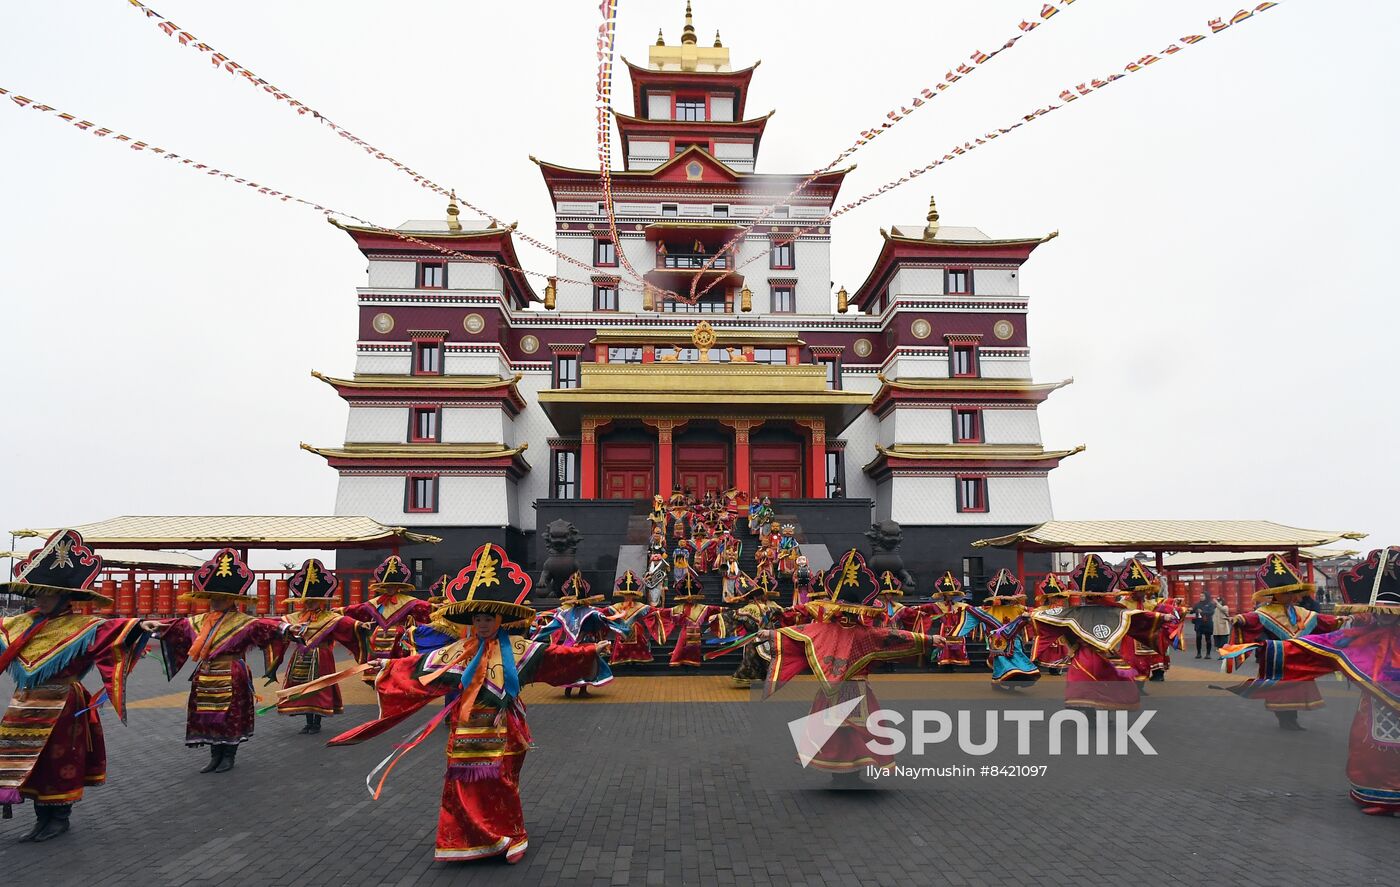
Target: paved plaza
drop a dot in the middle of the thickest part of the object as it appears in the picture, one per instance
(653, 782)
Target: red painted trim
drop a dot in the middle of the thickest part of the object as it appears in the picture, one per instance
(982, 507)
(409, 483)
(413, 412)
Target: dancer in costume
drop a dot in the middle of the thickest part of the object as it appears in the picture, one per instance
(840, 645)
(655, 579)
(730, 577)
(804, 581)
(950, 616)
(1003, 615)
(220, 711)
(1048, 650)
(658, 515)
(479, 815)
(314, 630)
(687, 620)
(636, 622)
(1138, 584)
(575, 622)
(787, 551)
(759, 613)
(1278, 617)
(51, 741)
(390, 609)
(1367, 651)
(1093, 633)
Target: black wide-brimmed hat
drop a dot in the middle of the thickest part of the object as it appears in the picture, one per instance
(688, 590)
(948, 586)
(1136, 578)
(890, 586)
(628, 586)
(1004, 587)
(1052, 586)
(575, 591)
(437, 592)
(491, 583)
(224, 576)
(1277, 576)
(1373, 586)
(1094, 576)
(850, 584)
(63, 565)
(393, 576)
(313, 583)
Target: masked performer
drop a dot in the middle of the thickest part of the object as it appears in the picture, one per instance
(787, 551)
(576, 622)
(1093, 633)
(687, 622)
(479, 815)
(804, 581)
(636, 623)
(1003, 615)
(51, 742)
(1048, 650)
(220, 712)
(655, 579)
(839, 645)
(390, 608)
(950, 616)
(313, 632)
(1279, 618)
(1367, 651)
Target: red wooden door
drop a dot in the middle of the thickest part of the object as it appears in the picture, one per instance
(702, 467)
(627, 471)
(777, 470)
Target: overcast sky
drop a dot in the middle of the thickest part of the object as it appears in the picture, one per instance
(1218, 291)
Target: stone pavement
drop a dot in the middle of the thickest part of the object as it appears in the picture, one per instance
(652, 783)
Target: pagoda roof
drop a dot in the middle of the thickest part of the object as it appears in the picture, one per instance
(645, 75)
(493, 240)
(965, 456)
(674, 170)
(961, 390)
(947, 242)
(424, 455)
(443, 387)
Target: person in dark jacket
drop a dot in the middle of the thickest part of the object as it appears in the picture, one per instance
(1202, 618)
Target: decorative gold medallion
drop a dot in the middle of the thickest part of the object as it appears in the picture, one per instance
(383, 323)
(1003, 329)
(920, 329)
(473, 323)
(862, 347)
(704, 339)
(529, 344)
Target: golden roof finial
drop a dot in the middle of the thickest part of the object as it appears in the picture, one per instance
(718, 44)
(660, 38)
(932, 227)
(452, 211)
(688, 34)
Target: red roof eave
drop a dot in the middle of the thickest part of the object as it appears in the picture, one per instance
(506, 395)
(496, 245)
(738, 80)
(894, 250)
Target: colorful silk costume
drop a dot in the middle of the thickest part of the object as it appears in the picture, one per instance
(636, 623)
(391, 609)
(686, 622)
(1003, 615)
(576, 622)
(313, 631)
(949, 615)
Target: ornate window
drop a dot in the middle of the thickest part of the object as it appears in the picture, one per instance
(957, 282)
(425, 425)
(972, 495)
(421, 494)
(432, 275)
(967, 426)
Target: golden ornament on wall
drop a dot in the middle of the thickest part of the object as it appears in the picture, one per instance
(473, 323)
(920, 329)
(1003, 329)
(383, 323)
(862, 347)
(529, 344)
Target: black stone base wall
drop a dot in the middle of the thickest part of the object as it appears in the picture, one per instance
(930, 550)
(448, 556)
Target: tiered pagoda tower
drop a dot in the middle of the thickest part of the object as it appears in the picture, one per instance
(481, 409)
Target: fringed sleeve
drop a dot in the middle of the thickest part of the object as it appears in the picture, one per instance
(119, 645)
(175, 643)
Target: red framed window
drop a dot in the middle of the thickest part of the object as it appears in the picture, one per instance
(972, 495)
(962, 361)
(425, 425)
(781, 256)
(957, 282)
(967, 426)
(833, 372)
(605, 297)
(689, 107)
(421, 494)
(784, 299)
(432, 275)
(427, 358)
(604, 253)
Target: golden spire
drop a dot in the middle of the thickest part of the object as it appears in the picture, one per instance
(717, 43)
(932, 227)
(660, 38)
(688, 34)
(452, 211)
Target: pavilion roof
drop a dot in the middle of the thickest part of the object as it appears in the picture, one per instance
(1165, 535)
(239, 531)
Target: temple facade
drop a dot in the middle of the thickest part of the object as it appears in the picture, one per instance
(481, 405)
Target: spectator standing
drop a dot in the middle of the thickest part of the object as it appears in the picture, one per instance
(1220, 627)
(1203, 620)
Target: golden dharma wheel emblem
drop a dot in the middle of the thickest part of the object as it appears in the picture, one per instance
(529, 344)
(704, 337)
(920, 329)
(1003, 329)
(473, 323)
(862, 347)
(383, 323)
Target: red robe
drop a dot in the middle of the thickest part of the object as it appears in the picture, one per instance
(49, 752)
(1368, 653)
(1277, 622)
(1099, 677)
(687, 622)
(955, 623)
(480, 814)
(391, 615)
(640, 623)
(839, 649)
(220, 710)
(313, 656)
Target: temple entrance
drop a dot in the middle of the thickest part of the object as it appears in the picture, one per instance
(776, 463)
(702, 460)
(628, 466)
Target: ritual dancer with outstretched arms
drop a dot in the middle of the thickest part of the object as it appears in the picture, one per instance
(220, 711)
(1279, 617)
(1367, 651)
(577, 621)
(391, 609)
(636, 623)
(314, 631)
(479, 814)
(1003, 615)
(51, 742)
